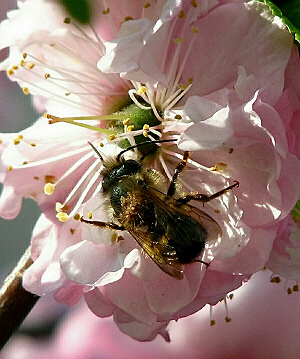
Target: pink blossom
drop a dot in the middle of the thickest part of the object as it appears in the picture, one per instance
(217, 78)
(254, 331)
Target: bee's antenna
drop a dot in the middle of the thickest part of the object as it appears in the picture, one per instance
(95, 149)
(141, 144)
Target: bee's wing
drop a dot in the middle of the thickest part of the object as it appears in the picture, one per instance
(168, 209)
(160, 252)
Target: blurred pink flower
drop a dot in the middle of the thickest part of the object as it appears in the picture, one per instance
(253, 333)
(217, 78)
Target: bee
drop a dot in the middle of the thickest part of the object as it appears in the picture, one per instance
(169, 230)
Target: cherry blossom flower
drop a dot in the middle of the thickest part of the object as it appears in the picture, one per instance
(252, 333)
(215, 79)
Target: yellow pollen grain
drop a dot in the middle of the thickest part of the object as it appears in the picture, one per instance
(142, 90)
(195, 29)
(63, 217)
(72, 230)
(130, 128)
(26, 90)
(76, 216)
(90, 215)
(16, 141)
(47, 75)
(10, 72)
(181, 14)
(178, 117)
(178, 40)
(145, 134)
(182, 86)
(126, 122)
(22, 63)
(194, 3)
(31, 65)
(49, 189)
(111, 137)
(9, 168)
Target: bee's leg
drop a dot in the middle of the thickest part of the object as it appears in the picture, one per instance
(110, 225)
(179, 168)
(203, 197)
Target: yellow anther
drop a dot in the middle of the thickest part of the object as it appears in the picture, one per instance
(58, 207)
(181, 14)
(47, 75)
(178, 40)
(194, 3)
(182, 86)
(32, 144)
(15, 67)
(142, 90)
(145, 134)
(227, 319)
(72, 230)
(10, 72)
(190, 80)
(212, 322)
(130, 128)
(63, 217)
(25, 163)
(146, 127)
(147, 5)
(36, 178)
(101, 144)
(22, 63)
(26, 90)
(219, 167)
(9, 168)
(107, 11)
(24, 55)
(195, 29)
(31, 65)
(49, 188)
(67, 20)
(126, 122)
(20, 137)
(127, 18)
(16, 141)
(90, 215)
(178, 117)
(77, 217)
(67, 93)
(111, 137)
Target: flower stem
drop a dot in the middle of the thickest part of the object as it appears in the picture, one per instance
(15, 301)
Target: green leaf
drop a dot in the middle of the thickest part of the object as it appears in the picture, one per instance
(289, 12)
(79, 10)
